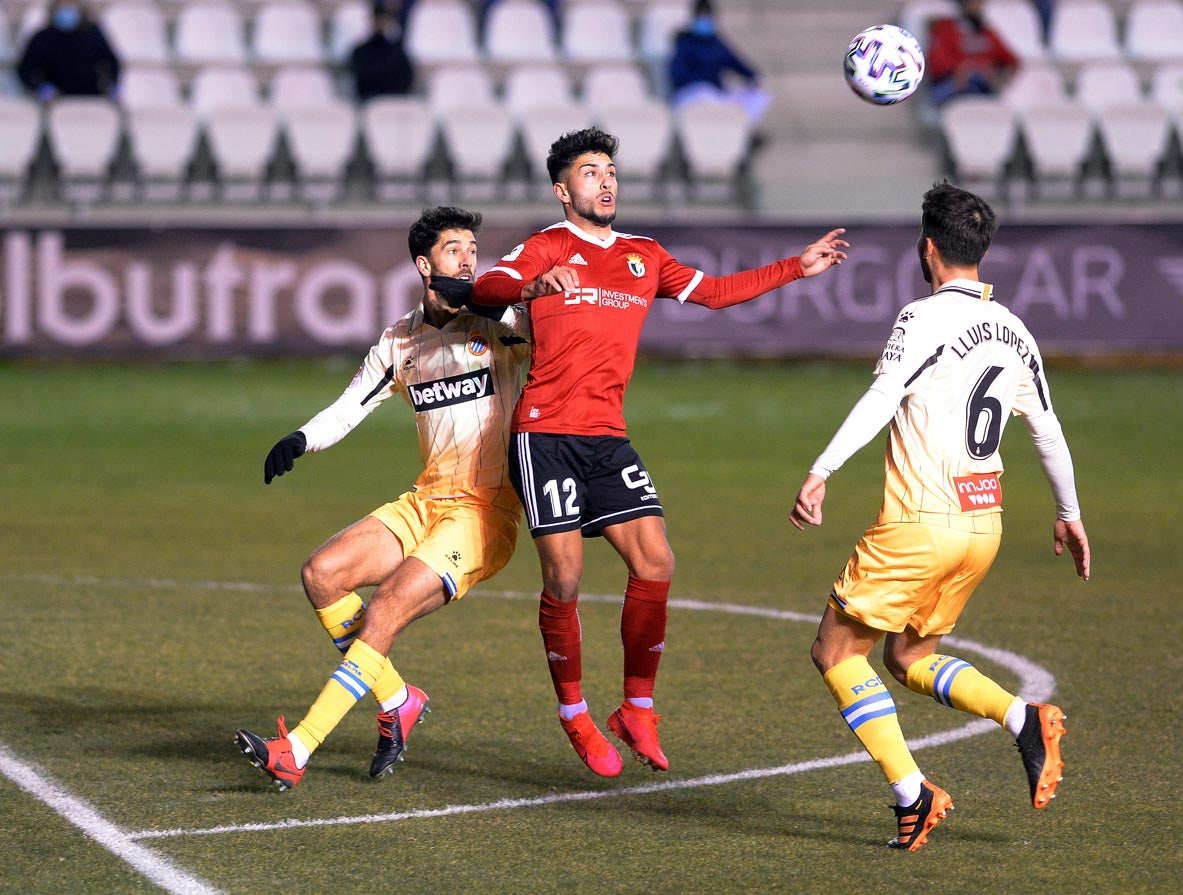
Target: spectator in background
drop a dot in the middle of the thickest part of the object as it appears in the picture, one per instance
(965, 57)
(70, 56)
(700, 63)
(380, 65)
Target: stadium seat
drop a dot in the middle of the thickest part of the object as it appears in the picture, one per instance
(242, 142)
(1154, 31)
(479, 143)
(459, 87)
(537, 84)
(646, 133)
(221, 87)
(143, 86)
(20, 133)
(539, 126)
(1058, 138)
(595, 32)
(136, 31)
(980, 133)
(399, 134)
(322, 139)
(301, 85)
(349, 25)
(287, 32)
(613, 85)
(1017, 23)
(162, 140)
(1035, 83)
(84, 134)
(1102, 85)
(1166, 91)
(441, 32)
(715, 138)
(1083, 30)
(1136, 138)
(34, 18)
(210, 32)
(519, 31)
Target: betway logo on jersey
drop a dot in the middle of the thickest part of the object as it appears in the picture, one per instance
(604, 298)
(978, 492)
(451, 390)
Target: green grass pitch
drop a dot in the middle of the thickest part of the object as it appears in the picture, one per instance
(149, 587)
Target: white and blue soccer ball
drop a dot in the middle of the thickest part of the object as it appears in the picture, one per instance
(884, 64)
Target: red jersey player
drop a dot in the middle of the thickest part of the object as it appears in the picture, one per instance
(589, 290)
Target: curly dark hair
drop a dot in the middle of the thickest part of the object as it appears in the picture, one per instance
(567, 148)
(959, 223)
(434, 221)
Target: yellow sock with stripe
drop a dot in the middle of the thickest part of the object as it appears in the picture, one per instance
(955, 683)
(350, 682)
(869, 711)
(343, 620)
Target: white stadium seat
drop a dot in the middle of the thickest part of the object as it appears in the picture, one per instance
(980, 132)
(459, 87)
(142, 86)
(715, 137)
(84, 134)
(220, 87)
(287, 32)
(136, 31)
(301, 85)
(518, 31)
(1017, 23)
(20, 132)
(1154, 31)
(399, 134)
(322, 138)
(1035, 83)
(1058, 138)
(595, 32)
(1136, 138)
(479, 143)
(242, 142)
(1083, 30)
(349, 25)
(614, 85)
(163, 140)
(646, 132)
(441, 32)
(537, 84)
(1102, 85)
(210, 32)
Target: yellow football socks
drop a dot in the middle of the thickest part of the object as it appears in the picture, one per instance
(343, 620)
(869, 710)
(957, 684)
(350, 682)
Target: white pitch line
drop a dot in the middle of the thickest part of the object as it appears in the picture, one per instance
(1036, 685)
(155, 868)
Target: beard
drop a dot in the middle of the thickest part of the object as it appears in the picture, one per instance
(590, 211)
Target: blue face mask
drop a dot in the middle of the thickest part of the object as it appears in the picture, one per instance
(703, 26)
(66, 18)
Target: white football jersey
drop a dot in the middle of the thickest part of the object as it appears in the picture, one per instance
(462, 381)
(963, 365)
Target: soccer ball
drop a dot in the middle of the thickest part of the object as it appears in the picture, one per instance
(884, 64)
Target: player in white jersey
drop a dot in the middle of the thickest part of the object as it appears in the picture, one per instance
(955, 367)
(461, 371)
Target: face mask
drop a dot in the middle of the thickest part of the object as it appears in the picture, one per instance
(66, 18)
(704, 26)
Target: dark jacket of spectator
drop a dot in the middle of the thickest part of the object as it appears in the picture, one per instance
(380, 65)
(70, 56)
(701, 56)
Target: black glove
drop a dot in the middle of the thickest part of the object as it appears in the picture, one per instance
(455, 291)
(284, 455)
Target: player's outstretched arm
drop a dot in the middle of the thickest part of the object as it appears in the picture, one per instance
(808, 507)
(283, 456)
(1072, 536)
(825, 253)
(557, 280)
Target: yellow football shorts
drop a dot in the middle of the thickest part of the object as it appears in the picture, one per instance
(464, 540)
(913, 574)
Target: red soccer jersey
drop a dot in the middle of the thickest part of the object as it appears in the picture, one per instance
(585, 341)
